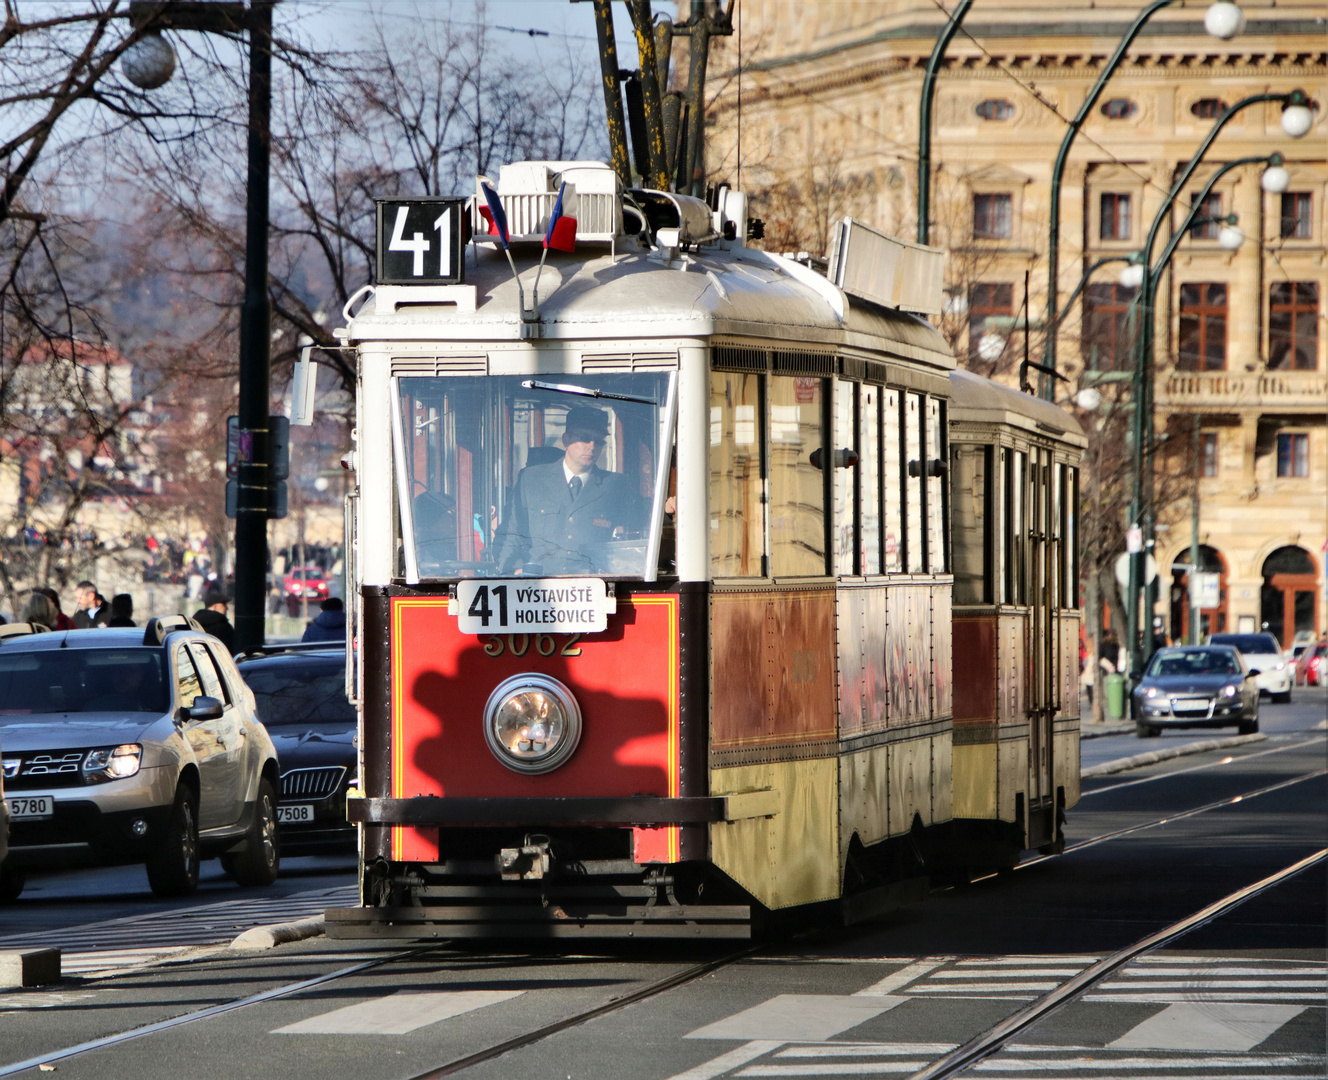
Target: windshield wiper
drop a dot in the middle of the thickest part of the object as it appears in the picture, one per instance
(583, 391)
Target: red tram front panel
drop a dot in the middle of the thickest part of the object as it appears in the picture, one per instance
(625, 681)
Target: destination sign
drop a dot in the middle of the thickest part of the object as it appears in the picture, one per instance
(533, 605)
(421, 241)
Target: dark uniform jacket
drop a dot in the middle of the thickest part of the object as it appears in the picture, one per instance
(544, 528)
(216, 624)
(87, 618)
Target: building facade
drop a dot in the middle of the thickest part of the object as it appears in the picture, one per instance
(817, 115)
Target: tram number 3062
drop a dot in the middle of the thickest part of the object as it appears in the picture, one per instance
(544, 644)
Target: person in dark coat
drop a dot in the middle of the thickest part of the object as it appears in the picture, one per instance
(212, 618)
(92, 611)
(122, 610)
(558, 507)
(330, 625)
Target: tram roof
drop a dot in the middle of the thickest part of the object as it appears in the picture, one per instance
(736, 292)
(974, 399)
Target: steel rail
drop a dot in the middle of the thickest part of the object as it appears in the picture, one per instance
(1199, 768)
(992, 1040)
(541, 1033)
(210, 1011)
(1179, 816)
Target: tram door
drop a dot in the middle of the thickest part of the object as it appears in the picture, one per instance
(1043, 550)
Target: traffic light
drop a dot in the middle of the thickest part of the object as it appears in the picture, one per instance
(279, 451)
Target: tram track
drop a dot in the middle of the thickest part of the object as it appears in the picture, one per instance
(960, 1059)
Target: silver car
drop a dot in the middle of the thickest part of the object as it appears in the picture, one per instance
(1261, 651)
(127, 745)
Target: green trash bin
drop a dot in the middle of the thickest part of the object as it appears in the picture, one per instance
(1115, 696)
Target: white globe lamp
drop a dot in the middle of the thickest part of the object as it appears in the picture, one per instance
(1132, 276)
(990, 347)
(1089, 398)
(1275, 179)
(1297, 118)
(149, 62)
(1229, 238)
(1224, 20)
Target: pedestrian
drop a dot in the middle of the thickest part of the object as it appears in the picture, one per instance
(212, 618)
(330, 625)
(39, 611)
(1159, 639)
(122, 610)
(89, 612)
(62, 621)
(1109, 655)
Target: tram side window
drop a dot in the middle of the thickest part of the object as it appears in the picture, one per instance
(869, 448)
(1015, 526)
(971, 512)
(1070, 563)
(1058, 531)
(935, 481)
(914, 527)
(894, 481)
(797, 488)
(737, 520)
(844, 513)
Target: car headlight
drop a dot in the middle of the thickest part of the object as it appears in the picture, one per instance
(1229, 690)
(1151, 692)
(532, 723)
(1278, 666)
(113, 763)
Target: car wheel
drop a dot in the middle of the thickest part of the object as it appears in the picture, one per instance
(257, 862)
(11, 885)
(1282, 699)
(173, 867)
(1147, 731)
(1249, 727)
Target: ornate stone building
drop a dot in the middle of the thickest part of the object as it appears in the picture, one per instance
(820, 119)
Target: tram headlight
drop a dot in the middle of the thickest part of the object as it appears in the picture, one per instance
(532, 723)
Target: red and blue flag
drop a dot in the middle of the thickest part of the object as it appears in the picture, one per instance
(561, 234)
(496, 216)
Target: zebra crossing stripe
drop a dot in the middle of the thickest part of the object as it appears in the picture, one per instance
(1207, 1026)
(399, 1013)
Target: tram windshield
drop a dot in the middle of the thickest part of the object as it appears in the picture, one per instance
(550, 475)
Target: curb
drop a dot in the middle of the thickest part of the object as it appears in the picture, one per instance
(1098, 731)
(266, 937)
(1122, 764)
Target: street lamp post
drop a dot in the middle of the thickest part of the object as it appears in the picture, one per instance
(924, 117)
(150, 67)
(1222, 20)
(1297, 118)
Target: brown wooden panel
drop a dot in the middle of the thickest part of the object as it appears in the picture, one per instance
(773, 668)
(975, 669)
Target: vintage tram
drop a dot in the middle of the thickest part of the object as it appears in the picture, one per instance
(656, 596)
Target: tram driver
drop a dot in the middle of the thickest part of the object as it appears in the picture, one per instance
(560, 507)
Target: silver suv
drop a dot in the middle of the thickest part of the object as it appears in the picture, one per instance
(124, 746)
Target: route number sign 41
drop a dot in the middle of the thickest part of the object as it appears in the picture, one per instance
(421, 241)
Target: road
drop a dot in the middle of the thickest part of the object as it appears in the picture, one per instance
(1241, 995)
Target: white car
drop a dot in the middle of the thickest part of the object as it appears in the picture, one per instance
(1262, 654)
(124, 746)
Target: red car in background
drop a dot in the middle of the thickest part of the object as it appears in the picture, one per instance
(306, 581)
(1312, 667)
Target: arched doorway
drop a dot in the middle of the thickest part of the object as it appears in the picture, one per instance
(1211, 620)
(1288, 600)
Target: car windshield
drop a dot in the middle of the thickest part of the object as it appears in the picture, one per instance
(1257, 644)
(289, 695)
(556, 475)
(1170, 663)
(83, 680)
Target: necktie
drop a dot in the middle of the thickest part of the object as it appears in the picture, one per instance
(574, 486)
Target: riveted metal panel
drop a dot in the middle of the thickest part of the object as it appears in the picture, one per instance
(863, 784)
(942, 700)
(790, 858)
(942, 769)
(974, 788)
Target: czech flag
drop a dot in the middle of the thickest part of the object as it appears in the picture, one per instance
(561, 234)
(496, 216)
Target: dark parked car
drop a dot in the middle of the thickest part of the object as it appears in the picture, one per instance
(301, 695)
(126, 745)
(1197, 686)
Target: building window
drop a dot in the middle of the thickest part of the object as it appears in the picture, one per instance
(1296, 215)
(1108, 336)
(992, 109)
(986, 299)
(1208, 454)
(993, 217)
(1203, 327)
(1209, 108)
(1114, 221)
(1119, 109)
(1293, 455)
(1293, 325)
(1210, 207)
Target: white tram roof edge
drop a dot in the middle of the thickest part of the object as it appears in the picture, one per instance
(977, 400)
(634, 294)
